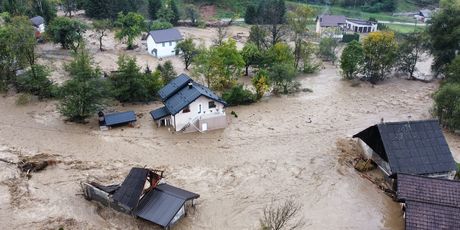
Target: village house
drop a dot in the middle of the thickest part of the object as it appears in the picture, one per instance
(39, 24)
(342, 24)
(429, 203)
(107, 121)
(189, 107)
(412, 147)
(162, 43)
(424, 15)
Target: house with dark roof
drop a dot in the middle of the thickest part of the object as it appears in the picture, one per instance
(38, 22)
(162, 43)
(324, 22)
(189, 107)
(429, 203)
(340, 24)
(411, 147)
(143, 194)
(116, 119)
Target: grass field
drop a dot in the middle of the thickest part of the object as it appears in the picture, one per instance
(404, 28)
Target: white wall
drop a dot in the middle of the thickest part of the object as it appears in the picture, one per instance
(164, 49)
(41, 28)
(181, 119)
(351, 26)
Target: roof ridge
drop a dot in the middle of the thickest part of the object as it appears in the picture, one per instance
(431, 178)
(427, 202)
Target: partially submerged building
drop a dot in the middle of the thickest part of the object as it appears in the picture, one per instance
(162, 43)
(429, 203)
(189, 107)
(39, 24)
(144, 196)
(411, 147)
(117, 119)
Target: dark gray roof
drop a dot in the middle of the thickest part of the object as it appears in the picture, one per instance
(179, 94)
(119, 118)
(160, 113)
(162, 204)
(428, 190)
(426, 13)
(37, 21)
(361, 22)
(173, 86)
(331, 20)
(166, 35)
(431, 203)
(413, 147)
(131, 189)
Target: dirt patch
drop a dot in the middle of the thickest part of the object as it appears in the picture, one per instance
(207, 12)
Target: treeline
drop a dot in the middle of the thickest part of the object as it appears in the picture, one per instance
(371, 5)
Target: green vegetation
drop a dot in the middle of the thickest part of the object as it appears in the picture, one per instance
(351, 59)
(404, 28)
(238, 95)
(130, 26)
(67, 32)
(35, 81)
(380, 53)
(101, 28)
(187, 50)
(166, 71)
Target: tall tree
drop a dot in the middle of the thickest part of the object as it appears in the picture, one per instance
(130, 26)
(191, 13)
(69, 6)
(44, 8)
(153, 7)
(298, 21)
(86, 92)
(251, 55)
(351, 59)
(102, 27)
(167, 72)
(187, 50)
(410, 49)
(176, 16)
(453, 71)
(447, 105)
(282, 76)
(258, 36)
(272, 13)
(327, 49)
(380, 53)
(68, 32)
(444, 32)
(250, 17)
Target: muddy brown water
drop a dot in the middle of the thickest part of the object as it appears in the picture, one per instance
(280, 148)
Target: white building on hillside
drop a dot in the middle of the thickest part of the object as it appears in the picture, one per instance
(338, 24)
(162, 43)
(190, 107)
(361, 26)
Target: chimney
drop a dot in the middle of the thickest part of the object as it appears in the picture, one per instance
(190, 85)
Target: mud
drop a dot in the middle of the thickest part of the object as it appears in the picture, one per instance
(280, 148)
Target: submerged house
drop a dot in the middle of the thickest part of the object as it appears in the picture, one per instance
(411, 147)
(39, 24)
(189, 107)
(117, 119)
(162, 43)
(144, 196)
(429, 203)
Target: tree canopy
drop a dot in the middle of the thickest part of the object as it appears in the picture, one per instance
(67, 32)
(130, 26)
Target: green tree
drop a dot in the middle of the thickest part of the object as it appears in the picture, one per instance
(130, 84)
(282, 77)
(279, 53)
(444, 33)
(298, 21)
(251, 55)
(191, 13)
(351, 59)
(68, 32)
(258, 36)
(159, 25)
(447, 105)
(250, 17)
(44, 8)
(69, 6)
(307, 53)
(130, 26)
(110, 8)
(35, 81)
(410, 50)
(327, 49)
(380, 53)
(261, 83)
(238, 95)
(166, 71)
(102, 27)
(16, 7)
(453, 71)
(187, 50)
(273, 14)
(176, 16)
(86, 92)
(153, 7)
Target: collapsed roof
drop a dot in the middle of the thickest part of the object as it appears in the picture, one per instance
(413, 147)
(430, 203)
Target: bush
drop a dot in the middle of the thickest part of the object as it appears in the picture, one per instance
(447, 105)
(350, 37)
(237, 95)
(35, 81)
(24, 99)
(160, 25)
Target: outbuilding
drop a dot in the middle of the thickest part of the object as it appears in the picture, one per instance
(162, 43)
(411, 147)
(39, 24)
(117, 119)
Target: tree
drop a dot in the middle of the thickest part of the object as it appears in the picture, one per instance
(35, 81)
(273, 14)
(281, 217)
(110, 8)
(166, 71)
(165, 13)
(251, 55)
(69, 6)
(238, 95)
(261, 83)
(86, 92)
(279, 53)
(282, 76)
(447, 105)
(250, 17)
(131, 85)
(298, 21)
(153, 7)
(68, 32)
(444, 33)
(380, 52)
(44, 8)
(130, 26)
(16, 7)
(159, 25)
(453, 71)
(222, 32)
(307, 54)
(102, 27)
(351, 59)
(258, 36)
(327, 49)
(187, 50)
(176, 16)
(410, 49)
(191, 13)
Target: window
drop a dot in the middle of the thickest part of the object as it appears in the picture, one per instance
(170, 43)
(199, 108)
(212, 104)
(186, 109)
(163, 44)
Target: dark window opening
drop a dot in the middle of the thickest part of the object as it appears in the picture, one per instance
(186, 109)
(212, 104)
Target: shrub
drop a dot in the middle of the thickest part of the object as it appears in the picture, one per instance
(350, 37)
(447, 105)
(160, 25)
(237, 95)
(35, 81)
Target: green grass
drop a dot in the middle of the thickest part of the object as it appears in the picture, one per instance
(404, 28)
(405, 6)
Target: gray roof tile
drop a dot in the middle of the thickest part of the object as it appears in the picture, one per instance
(119, 118)
(166, 35)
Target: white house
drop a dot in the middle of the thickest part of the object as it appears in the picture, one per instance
(330, 21)
(361, 26)
(162, 43)
(190, 107)
(39, 24)
(337, 24)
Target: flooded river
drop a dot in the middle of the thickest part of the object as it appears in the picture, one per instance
(280, 148)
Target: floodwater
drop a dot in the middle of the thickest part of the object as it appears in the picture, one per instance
(280, 148)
